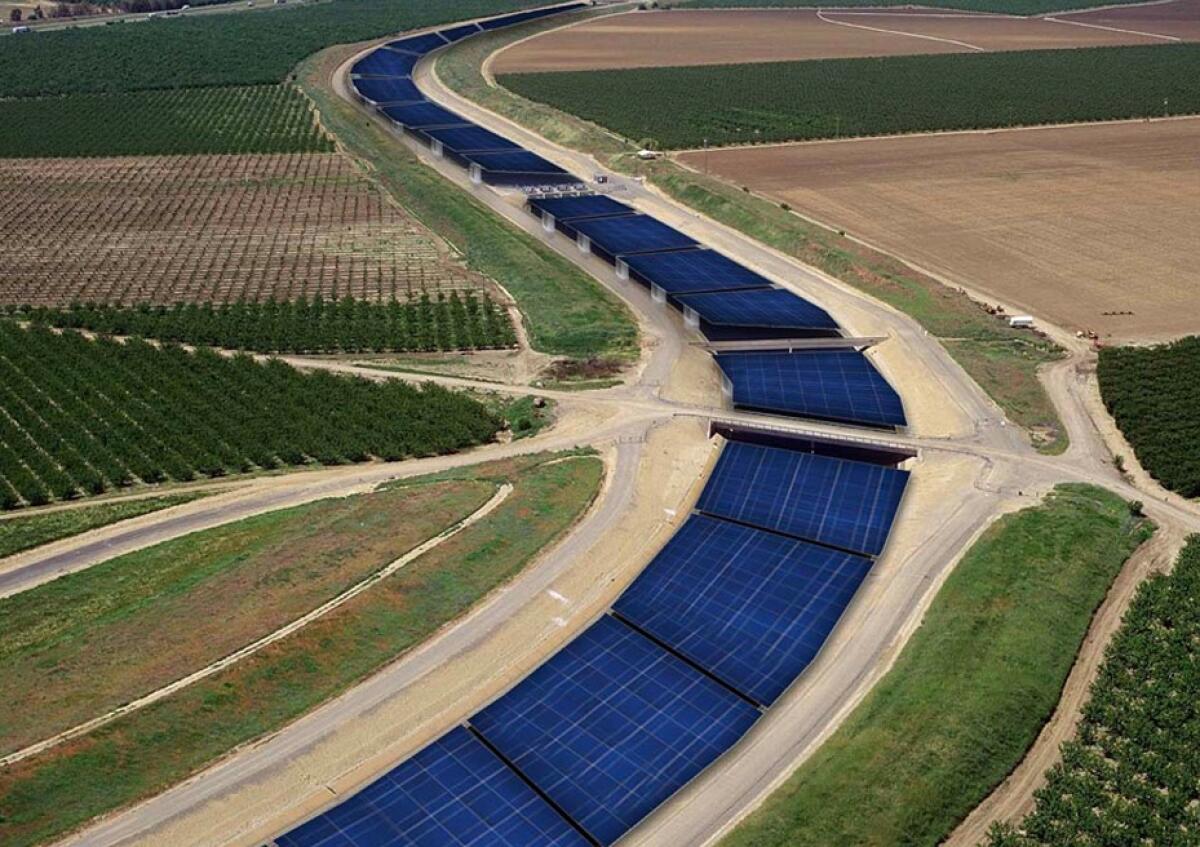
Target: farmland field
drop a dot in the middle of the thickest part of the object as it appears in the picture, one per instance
(1008, 7)
(81, 417)
(682, 37)
(244, 119)
(1179, 18)
(781, 101)
(249, 48)
(1153, 393)
(1130, 775)
(1091, 226)
(211, 229)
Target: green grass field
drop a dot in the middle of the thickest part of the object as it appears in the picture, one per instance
(24, 532)
(245, 119)
(566, 311)
(969, 692)
(785, 101)
(144, 752)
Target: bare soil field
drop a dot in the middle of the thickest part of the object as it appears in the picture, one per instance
(714, 37)
(1176, 19)
(167, 229)
(1091, 226)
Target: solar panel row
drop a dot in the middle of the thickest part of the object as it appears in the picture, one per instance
(774, 308)
(832, 385)
(568, 209)
(385, 63)
(388, 90)
(618, 237)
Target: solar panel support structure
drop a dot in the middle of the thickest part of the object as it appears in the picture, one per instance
(622, 268)
(436, 148)
(583, 242)
(658, 294)
(476, 172)
(691, 318)
(727, 387)
(548, 223)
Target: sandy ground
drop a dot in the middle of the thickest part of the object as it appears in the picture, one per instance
(1014, 799)
(673, 464)
(1068, 223)
(708, 37)
(1178, 19)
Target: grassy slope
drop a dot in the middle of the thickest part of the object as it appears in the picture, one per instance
(1002, 360)
(29, 531)
(566, 311)
(787, 101)
(158, 746)
(1008, 7)
(971, 689)
(79, 646)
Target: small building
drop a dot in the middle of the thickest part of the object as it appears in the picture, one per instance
(1021, 321)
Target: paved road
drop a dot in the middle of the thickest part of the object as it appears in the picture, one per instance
(877, 624)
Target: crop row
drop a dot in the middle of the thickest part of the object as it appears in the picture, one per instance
(1154, 395)
(241, 119)
(302, 326)
(781, 101)
(80, 416)
(251, 47)
(1132, 774)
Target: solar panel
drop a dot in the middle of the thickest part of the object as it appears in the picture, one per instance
(579, 208)
(418, 44)
(457, 33)
(612, 726)
(454, 792)
(833, 385)
(762, 307)
(397, 90)
(751, 607)
(424, 115)
(520, 161)
(463, 139)
(693, 270)
(845, 504)
(631, 234)
(522, 17)
(385, 63)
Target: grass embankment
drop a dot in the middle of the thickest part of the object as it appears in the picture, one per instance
(29, 531)
(1153, 393)
(1002, 360)
(144, 752)
(566, 311)
(971, 689)
(831, 98)
(1130, 774)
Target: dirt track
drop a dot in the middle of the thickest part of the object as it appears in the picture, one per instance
(1068, 222)
(709, 37)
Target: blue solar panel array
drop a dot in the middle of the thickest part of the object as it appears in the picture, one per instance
(832, 385)
(613, 725)
(471, 138)
(418, 44)
(385, 90)
(690, 271)
(630, 234)
(751, 607)
(840, 503)
(454, 792)
(423, 115)
(567, 209)
(759, 307)
(385, 63)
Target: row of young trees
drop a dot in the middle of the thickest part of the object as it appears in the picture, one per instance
(1153, 393)
(1132, 775)
(447, 322)
(79, 416)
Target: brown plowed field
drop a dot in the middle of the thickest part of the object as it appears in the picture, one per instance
(1066, 222)
(710, 37)
(166, 229)
(1178, 19)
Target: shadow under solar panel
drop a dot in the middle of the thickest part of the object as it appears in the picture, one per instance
(751, 607)
(844, 504)
(454, 792)
(758, 313)
(612, 725)
(691, 271)
(830, 385)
